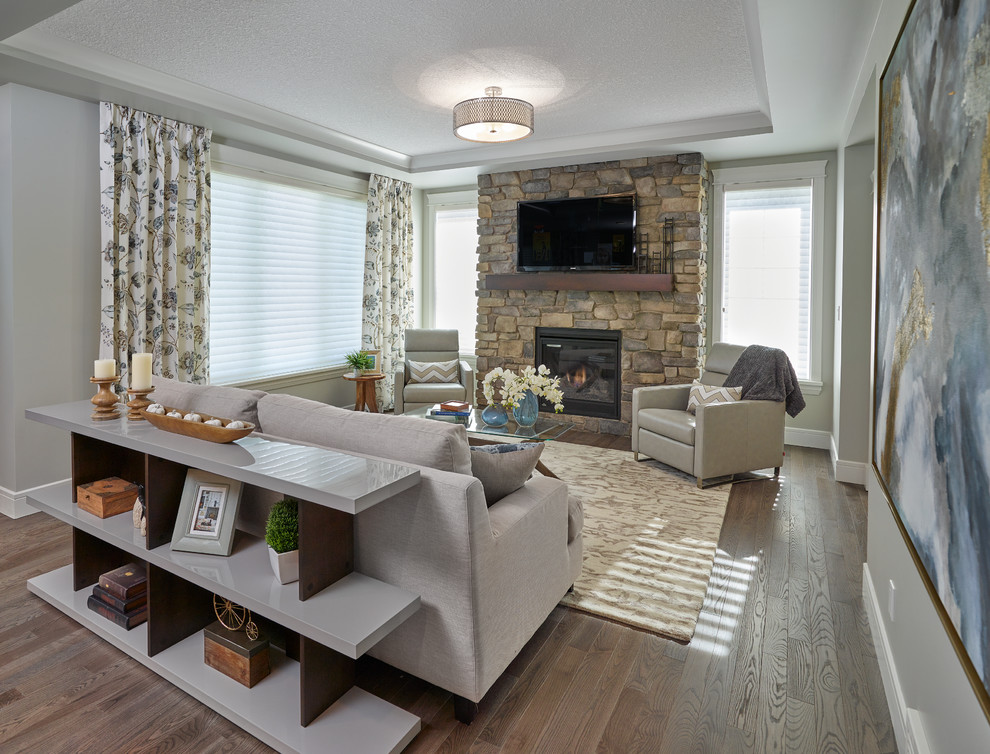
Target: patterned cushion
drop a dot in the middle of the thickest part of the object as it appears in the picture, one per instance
(704, 395)
(434, 371)
(505, 467)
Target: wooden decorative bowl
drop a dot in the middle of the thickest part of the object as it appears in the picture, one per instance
(199, 430)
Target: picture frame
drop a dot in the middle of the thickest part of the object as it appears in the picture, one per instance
(931, 367)
(377, 367)
(207, 513)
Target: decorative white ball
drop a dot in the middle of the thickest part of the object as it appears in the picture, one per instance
(237, 424)
(214, 422)
(193, 418)
(156, 408)
(174, 414)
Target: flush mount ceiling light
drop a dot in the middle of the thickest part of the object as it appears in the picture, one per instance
(493, 118)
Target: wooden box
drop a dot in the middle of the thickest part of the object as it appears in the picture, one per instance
(107, 497)
(235, 655)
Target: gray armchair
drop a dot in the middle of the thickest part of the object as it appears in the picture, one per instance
(720, 439)
(431, 345)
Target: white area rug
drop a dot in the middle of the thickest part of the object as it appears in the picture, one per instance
(649, 538)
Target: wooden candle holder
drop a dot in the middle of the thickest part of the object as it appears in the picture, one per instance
(105, 399)
(138, 402)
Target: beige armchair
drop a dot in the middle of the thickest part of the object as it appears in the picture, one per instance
(720, 439)
(431, 346)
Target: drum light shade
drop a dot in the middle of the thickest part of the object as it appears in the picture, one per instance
(493, 118)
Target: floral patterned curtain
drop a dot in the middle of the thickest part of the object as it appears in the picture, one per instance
(388, 269)
(155, 205)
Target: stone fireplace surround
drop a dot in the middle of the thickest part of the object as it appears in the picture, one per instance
(663, 332)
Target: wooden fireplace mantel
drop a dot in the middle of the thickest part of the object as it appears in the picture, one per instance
(579, 281)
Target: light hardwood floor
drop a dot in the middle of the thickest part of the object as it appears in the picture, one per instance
(782, 660)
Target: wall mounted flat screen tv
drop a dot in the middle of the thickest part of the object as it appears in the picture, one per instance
(593, 233)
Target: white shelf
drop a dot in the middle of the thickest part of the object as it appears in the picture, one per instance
(357, 722)
(349, 616)
(318, 475)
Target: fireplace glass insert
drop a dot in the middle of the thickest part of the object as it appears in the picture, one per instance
(588, 364)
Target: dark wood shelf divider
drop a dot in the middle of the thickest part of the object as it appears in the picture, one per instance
(579, 281)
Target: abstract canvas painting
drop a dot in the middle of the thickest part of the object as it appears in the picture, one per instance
(932, 369)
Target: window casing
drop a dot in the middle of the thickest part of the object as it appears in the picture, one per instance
(767, 266)
(287, 265)
(452, 271)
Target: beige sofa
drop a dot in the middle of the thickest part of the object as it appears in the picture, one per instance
(487, 577)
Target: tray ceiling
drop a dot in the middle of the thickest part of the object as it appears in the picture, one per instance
(380, 78)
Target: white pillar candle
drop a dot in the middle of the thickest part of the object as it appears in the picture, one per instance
(104, 369)
(141, 371)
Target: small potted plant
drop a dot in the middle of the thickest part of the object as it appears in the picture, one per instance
(360, 361)
(282, 537)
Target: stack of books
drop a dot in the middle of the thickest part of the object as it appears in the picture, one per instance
(456, 411)
(121, 595)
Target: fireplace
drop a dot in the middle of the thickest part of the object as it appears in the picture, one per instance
(589, 367)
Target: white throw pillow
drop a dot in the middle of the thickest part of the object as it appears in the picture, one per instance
(434, 371)
(704, 395)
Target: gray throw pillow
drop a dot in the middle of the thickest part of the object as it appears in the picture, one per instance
(504, 468)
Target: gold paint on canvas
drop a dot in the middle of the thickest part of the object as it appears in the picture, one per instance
(916, 324)
(985, 191)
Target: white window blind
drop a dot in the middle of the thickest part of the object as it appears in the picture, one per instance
(456, 273)
(767, 268)
(286, 281)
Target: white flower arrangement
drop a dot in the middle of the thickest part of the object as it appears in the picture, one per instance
(514, 385)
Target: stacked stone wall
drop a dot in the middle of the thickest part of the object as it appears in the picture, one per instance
(663, 333)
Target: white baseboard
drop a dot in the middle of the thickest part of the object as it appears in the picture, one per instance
(807, 438)
(15, 504)
(850, 472)
(909, 732)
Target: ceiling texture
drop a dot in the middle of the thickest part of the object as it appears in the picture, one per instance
(366, 84)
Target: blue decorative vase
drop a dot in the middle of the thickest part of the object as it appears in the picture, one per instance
(494, 415)
(528, 410)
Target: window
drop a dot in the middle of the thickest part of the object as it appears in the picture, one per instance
(767, 282)
(286, 281)
(455, 265)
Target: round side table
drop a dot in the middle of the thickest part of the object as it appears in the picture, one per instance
(365, 384)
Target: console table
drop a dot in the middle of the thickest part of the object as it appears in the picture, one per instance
(334, 615)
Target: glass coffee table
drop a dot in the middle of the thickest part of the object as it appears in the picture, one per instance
(480, 433)
(544, 429)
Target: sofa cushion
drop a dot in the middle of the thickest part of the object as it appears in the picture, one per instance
(218, 400)
(575, 517)
(434, 371)
(677, 425)
(505, 467)
(432, 392)
(439, 445)
(704, 395)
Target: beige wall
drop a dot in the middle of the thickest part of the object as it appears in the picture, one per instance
(853, 313)
(50, 246)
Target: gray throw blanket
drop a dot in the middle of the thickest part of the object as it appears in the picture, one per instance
(766, 374)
